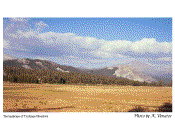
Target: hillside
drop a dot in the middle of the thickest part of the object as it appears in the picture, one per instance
(133, 74)
(52, 72)
(103, 72)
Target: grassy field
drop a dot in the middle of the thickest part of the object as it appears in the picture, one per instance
(18, 97)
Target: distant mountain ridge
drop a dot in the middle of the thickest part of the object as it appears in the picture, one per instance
(32, 64)
(133, 74)
(130, 71)
(156, 72)
(103, 72)
(39, 64)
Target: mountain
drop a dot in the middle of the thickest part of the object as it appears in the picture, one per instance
(140, 66)
(154, 70)
(125, 71)
(148, 72)
(40, 64)
(166, 78)
(103, 72)
(8, 57)
(133, 74)
(137, 71)
(33, 64)
(158, 72)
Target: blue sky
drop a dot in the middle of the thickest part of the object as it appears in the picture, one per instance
(90, 42)
(132, 29)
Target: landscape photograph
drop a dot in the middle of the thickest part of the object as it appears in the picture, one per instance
(109, 64)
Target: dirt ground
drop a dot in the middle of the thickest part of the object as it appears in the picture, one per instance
(19, 97)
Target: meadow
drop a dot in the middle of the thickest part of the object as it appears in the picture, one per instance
(24, 97)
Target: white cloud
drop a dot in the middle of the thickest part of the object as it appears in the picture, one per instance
(142, 46)
(165, 59)
(6, 44)
(165, 47)
(29, 34)
(77, 48)
(70, 39)
(40, 26)
(120, 56)
(111, 46)
(101, 47)
(90, 41)
(55, 39)
(150, 45)
(21, 34)
(20, 19)
(102, 54)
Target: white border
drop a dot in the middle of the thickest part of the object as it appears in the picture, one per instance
(90, 8)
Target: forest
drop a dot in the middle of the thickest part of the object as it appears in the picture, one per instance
(21, 75)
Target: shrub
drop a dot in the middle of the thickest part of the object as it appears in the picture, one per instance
(166, 107)
(138, 109)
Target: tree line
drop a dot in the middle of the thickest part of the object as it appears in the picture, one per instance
(21, 75)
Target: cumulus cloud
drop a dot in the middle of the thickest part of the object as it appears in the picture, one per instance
(99, 47)
(111, 46)
(40, 26)
(102, 54)
(18, 19)
(169, 59)
(6, 44)
(151, 45)
(142, 46)
(55, 39)
(68, 48)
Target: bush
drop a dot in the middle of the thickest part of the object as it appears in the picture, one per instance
(166, 107)
(136, 83)
(138, 109)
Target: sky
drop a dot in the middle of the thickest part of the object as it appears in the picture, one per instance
(90, 42)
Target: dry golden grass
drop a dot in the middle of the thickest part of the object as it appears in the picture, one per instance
(19, 97)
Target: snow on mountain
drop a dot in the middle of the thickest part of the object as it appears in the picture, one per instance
(61, 70)
(34, 64)
(153, 70)
(39, 63)
(136, 70)
(26, 67)
(110, 68)
(131, 73)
